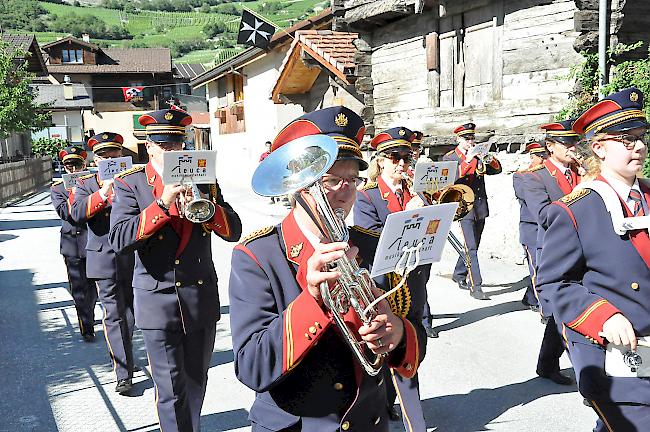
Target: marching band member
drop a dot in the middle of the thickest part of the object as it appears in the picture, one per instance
(285, 344)
(471, 173)
(528, 222)
(176, 297)
(594, 278)
(388, 192)
(73, 245)
(113, 273)
(542, 185)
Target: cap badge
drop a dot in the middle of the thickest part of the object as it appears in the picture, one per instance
(341, 120)
(105, 136)
(634, 96)
(402, 132)
(295, 250)
(169, 116)
(73, 150)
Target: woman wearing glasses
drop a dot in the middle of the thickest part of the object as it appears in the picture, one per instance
(470, 172)
(595, 278)
(388, 192)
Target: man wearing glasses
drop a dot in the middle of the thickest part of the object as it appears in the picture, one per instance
(73, 245)
(91, 204)
(175, 282)
(471, 172)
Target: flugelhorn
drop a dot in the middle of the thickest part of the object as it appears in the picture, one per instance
(299, 165)
(198, 210)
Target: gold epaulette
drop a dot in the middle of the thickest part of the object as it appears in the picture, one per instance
(370, 185)
(258, 234)
(56, 183)
(575, 196)
(450, 151)
(365, 231)
(125, 173)
(536, 168)
(87, 176)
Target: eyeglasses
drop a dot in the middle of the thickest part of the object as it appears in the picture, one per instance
(469, 137)
(398, 156)
(629, 140)
(71, 165)
(333, 182)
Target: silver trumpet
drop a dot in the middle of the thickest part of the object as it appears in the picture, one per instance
(198, 210)
(299, 165)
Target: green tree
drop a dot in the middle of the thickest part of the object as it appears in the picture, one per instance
(49, 146)
(18, 110)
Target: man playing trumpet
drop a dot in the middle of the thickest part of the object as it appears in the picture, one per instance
(471, 171)
(286, 345)
(175, 283)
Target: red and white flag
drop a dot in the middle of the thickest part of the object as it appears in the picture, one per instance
(132, 93)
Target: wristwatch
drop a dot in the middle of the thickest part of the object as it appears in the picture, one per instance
(162, 206)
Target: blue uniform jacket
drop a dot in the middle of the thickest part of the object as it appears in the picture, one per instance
(527, 221)
(375, 202)
(589, 273)
(175, 281)
(73, 236)
(88, 207)
(288, 349)
(470, 175)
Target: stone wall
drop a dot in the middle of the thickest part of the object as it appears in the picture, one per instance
(24, 177)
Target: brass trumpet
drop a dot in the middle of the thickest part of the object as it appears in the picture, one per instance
(299, 165)
(198, 210)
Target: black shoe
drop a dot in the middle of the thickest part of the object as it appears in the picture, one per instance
(556, 377)
(123, 386)
(88, 337)
(393, 413)
(462, 284)
(430, 331)
(478, 294)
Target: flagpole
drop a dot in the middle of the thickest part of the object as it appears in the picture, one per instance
(268, 21)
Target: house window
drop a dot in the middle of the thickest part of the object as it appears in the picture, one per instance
(72, 56)
(231, 101)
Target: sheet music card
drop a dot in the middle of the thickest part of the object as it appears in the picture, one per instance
(196, 166)
(433, 176)
(428, 225)
(109, 168)
(70, 180)
(480, 150)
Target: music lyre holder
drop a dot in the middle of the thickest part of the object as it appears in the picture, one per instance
(408, 261)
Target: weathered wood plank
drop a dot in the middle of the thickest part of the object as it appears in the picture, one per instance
(401, 102)
(552, 41)
(565, 26)
(400, 86)
(531, 85)
(514, 16)
(537, 59)
(539, 20)
(389, 72)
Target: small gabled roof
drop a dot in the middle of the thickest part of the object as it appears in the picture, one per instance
(188, 71)
(69, 39)
(28, 44)
(121, 60)
(333, 50)
(280, 37)
(53, 95)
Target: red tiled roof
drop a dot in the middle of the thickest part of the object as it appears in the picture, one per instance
(337, 48)
(122, 60)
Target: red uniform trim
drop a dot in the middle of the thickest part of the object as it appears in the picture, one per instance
(408, 365)
(152, 219)
(94, 204)
(564, 185)
(465, 168)
(248, 252)
(219, 222)
(304, 323)
(389, 196)
(591, 320)
(568, 210)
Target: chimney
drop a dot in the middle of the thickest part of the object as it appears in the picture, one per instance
(68, 90)
(85, 37)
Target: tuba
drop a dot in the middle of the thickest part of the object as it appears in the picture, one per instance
(299, 165)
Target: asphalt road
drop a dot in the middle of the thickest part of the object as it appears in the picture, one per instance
(479, 375)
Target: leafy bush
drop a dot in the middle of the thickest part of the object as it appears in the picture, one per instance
(21, 15)
(89, 24)
(213, 29)
(49, 146)
(180, 47)
(625, 74)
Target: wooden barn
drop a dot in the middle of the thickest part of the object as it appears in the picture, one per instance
(433, 64)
